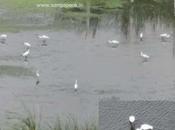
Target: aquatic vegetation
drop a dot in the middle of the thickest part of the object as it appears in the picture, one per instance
(15, 71)
(30, 121)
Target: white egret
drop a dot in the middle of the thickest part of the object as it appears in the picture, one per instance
(37, 75)
(3, 38)
(44, 39)
(131, 118)
(76, 85)
(25, 54)
(144, 56)
(131, 121)
(27, 45)
(146, 127)
(141, 36)
(113, 43)
(164, 36)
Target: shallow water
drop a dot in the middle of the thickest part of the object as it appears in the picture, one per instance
(72, 54)
(101, 71)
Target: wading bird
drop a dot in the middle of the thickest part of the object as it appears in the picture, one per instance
(144, 56)
(44, 39)
(141, 36)
(164, 37)
(25, 54)
(37, 76)
(113, 43)
(27, 45)
(3, 38)
(76, 85)
(146, 127)
(131, 121)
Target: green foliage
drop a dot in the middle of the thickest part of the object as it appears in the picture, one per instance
(30, 122)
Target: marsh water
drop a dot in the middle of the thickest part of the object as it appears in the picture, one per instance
(78, 50)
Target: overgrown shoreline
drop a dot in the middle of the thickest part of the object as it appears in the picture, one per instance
(32, 121)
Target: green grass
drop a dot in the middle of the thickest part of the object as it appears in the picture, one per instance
(15, 71)
(31, 122)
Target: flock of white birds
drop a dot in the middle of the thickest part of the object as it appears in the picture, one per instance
(164, 37)
(44, 38)
(26, 53)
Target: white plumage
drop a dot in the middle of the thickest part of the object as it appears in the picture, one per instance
(141, 36)
(113, 43)
(164, 37)
(142, 127)
(131, 118)
(138, 129)
(146, 127)
(27, 44)
(144, 56)
(76, 85)
(26, 53)
(3, 36)
(43, 37)
(37, 74)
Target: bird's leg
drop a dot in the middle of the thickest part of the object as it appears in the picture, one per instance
(37, 81)
(2, 41)
(145, 60)
(132, 126)
(163, 39)
(25, 58)
(44, 43)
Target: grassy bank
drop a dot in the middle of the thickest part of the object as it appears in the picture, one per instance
(31, 122)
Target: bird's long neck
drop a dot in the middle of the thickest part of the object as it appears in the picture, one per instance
(132, 126)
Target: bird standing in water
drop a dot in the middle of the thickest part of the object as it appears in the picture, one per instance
(44, 39)
(146, 127)
(3, 38)
(144, 56)
(164, 37)
(25, 54)
(131, 121)
(37, 76)
(113, 43)
(76, 85)
(141, 36)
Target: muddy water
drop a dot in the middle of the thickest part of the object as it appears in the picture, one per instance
(101, 71)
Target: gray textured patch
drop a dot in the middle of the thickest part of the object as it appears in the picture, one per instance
(15, 71)
(114, 114)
